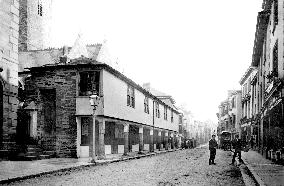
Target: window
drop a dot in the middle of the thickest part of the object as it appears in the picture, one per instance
(157, 110)
(39, 8)
(275, 59)
(146, 105)
(275, 14)
(165, 112)
(89, 83)
(233, 102)
(172, 116)
(130, 96)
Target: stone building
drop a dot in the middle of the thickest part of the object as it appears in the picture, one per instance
(35, 24)
(9, 27)
(56, 95)
(248, 104)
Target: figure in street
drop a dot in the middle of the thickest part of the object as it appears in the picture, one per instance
(212, 147)
(237, 146)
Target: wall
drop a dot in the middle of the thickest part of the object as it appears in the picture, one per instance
(9, 27)
(63, 139)
(115, 104)
(34, 29)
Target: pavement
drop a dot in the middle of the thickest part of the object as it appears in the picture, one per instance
(264, 171)
(11, 171)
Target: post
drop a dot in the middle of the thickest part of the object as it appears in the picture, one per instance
(159, 139)
(141, 146)
(173, 141)
(166, 140)
(126, 135)
(101, 154)
(151, 139)
(93, 138)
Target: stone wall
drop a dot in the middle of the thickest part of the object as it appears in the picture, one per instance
(63, 137)
(9, 27)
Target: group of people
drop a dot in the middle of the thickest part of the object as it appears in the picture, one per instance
(237, 146)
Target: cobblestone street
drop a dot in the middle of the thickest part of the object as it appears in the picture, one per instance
(185, 167)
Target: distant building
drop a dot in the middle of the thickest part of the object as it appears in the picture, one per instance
(229, 114)
(248, 98)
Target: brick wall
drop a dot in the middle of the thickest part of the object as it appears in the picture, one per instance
(63, 137)
(9, 27)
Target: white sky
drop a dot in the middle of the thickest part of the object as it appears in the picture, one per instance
(194, 50)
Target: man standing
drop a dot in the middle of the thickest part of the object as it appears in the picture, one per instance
(237, 145)
(212, 147)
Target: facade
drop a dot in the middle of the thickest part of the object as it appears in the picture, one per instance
(128, 117)
(266, 98)
(229, 115)
(35, 24)
(9, 27)
(248, 104)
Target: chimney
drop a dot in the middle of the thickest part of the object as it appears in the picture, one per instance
(147, 86)
(65, 50)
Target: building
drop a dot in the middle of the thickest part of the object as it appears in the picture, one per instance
(268, 59)
(9, 27)
(128, 117)
(248, 104)
(229, 115)
(35, 24)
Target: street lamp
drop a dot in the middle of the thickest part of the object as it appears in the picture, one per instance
(94, 101)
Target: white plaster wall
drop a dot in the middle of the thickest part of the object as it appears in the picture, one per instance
(115, 101)
(115, 105)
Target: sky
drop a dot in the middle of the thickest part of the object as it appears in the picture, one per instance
(193, 50)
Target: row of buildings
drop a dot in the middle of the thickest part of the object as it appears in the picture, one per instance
(45, 96)
(260, 101)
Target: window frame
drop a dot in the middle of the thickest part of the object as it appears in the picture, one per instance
(146, 105)
(165, 112)
(130, 96)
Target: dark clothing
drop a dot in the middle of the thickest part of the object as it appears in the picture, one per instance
(213, 144)
(237, 145)
(212, 147)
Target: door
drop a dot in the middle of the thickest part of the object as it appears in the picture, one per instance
(85, 136)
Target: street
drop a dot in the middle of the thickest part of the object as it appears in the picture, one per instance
(185, 167)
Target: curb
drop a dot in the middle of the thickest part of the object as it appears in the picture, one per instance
(254, 174)
(10, 180)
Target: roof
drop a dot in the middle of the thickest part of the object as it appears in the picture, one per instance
(260, 34)
(246, 75)
(37, 58)
(83, 62)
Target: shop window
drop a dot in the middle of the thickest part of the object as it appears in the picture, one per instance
(89, 83)
(85, 138)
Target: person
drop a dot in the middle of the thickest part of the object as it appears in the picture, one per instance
(251, 142)
(212, 147)
(237, 146)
